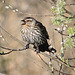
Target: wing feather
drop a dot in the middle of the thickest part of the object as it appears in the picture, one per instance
(43, 30)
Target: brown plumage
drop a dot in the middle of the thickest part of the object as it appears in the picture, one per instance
(33, 32)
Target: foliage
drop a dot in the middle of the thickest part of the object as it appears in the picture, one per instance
(60, 19)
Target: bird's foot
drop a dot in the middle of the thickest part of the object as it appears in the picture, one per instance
(37, 51)
(27, 46)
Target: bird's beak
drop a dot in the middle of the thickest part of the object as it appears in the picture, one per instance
(24, 22)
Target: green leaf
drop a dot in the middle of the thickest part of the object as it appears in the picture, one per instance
(2, 52)
(71, 30)
(70, 42)
(74, 69)
(62, 58)
(50, 66)
(67, 61)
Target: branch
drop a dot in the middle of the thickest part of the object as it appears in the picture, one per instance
(60, 69)
(66, 11)
(8, 6)
(62, 52)
(40, 52)
(70, 4)
(59, 31)
(25, 49)
(48, 1)
(6, 53)
(13, 49)
(56, 58)
(65, 62)
(70, 59)
(53, 68)
(12, 36)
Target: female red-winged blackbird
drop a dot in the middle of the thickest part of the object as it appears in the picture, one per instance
(33, 32)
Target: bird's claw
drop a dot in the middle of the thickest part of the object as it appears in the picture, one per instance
(37, 51)
(27, 46)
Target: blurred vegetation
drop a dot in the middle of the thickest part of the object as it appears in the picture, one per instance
(61, 19)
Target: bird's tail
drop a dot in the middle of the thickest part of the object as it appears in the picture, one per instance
(46, 47)
(51, 49)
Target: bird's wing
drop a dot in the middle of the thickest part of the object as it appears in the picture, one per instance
(43, 29)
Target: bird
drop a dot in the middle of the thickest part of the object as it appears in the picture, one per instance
(35, 33)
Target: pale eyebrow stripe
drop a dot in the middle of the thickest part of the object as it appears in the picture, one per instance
(28, 19)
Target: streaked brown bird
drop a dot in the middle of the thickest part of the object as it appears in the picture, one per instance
(33, 32)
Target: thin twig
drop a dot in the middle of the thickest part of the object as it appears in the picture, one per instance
(66, 11)
(53, 68)
(43, 60)
(8, 6)
(62, 54)
(70, 4)
(13, 49)
(60, 69)
(12, 36)
(48, 1)
(70, 59)
(44, 55)
(64, 34)
(65, 62)
(57, 59)
(6, 53)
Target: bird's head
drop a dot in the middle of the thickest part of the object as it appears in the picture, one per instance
(29, 21)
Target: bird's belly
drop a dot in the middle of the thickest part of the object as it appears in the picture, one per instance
(27, 36)
(32, 37)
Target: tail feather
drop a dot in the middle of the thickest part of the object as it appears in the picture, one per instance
(46, 47)
(52, 49)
